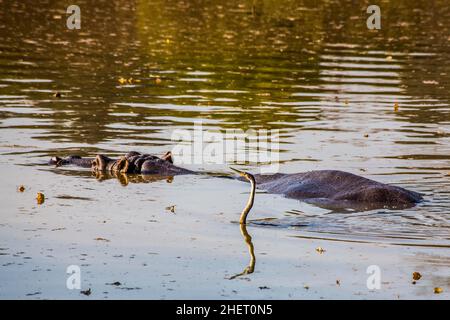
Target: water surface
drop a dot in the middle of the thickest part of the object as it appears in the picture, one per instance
(309, 69)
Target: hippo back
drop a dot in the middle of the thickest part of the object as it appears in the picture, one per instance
(339, 186)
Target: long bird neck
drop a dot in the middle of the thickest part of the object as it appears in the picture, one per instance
(249, 205)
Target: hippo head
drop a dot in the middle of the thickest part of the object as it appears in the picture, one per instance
(161, 166)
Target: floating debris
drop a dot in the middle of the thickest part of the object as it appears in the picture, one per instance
(122, 80)
(101, 239)
(86, 292)
(171, 208)
(366, 135)
(130, 80)
(57, 95)
(438, 290)
(21, 188)
(264, 288)
(338, 282)
(416, 276)
(306, 287)
(396, 107)
(117, 283)
(158, 80)
(320, 250)
(40, 198)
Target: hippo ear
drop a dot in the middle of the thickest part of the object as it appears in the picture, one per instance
(122, 165)
(168, 157)
(99, 163)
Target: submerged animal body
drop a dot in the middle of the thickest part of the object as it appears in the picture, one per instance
(132, 162)
(327, 188)
(332, 188)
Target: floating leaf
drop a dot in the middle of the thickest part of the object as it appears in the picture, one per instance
(40, 198)
(438, 290)
(86, 292)
(101, 239)
(320, 250)
(21, 188)
(171, 209)
(416, 276)
(396, 107)
(122, 80)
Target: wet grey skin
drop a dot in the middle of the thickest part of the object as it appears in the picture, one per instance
(330, 189)
(337, 189)
(132, 162)
(75, 160)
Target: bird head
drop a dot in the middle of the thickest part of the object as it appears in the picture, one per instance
(244, 174)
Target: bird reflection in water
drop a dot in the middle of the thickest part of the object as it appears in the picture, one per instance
(251, 249)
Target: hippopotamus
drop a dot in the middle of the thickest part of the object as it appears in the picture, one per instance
(337, 189)
(326, 188)
(132, 162)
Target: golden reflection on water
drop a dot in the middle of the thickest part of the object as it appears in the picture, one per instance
(251, 250)
(124, 178)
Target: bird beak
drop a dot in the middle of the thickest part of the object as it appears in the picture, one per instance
(238, 171)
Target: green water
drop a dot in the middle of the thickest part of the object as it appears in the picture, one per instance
(310, 69)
